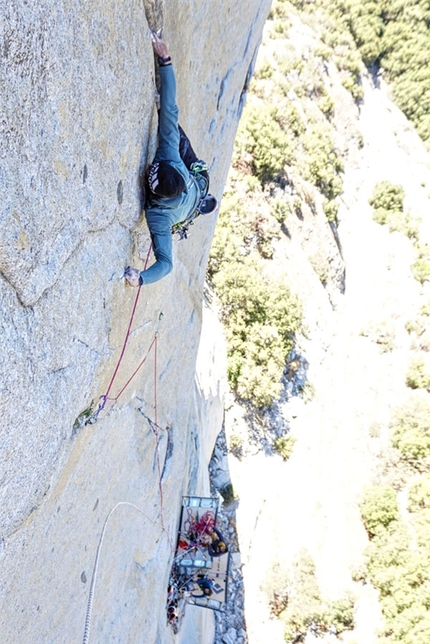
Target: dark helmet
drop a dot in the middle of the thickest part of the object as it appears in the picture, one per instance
(164, 180)
(208, 205)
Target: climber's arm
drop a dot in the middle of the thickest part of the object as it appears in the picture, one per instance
(161, 267)
(162, 246)
(168, 145)
(161, 235)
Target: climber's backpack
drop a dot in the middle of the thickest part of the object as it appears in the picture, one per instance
(207, 204)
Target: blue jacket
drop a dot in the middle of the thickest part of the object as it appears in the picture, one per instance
(163, 213)
(202, 584)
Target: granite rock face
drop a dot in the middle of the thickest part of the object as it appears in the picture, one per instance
(78, 125)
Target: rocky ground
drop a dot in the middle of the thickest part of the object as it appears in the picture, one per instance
(230, 627)
(354, 357)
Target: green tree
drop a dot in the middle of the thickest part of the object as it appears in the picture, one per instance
(402, 577)
(419, 494)
(411, 428)
(322, 164)
(387, 201)
(421, 266)
(379, 508)
(305, 609)
(367, 26)
(418, 374)
(338, 615)
(391, 34)
(304, 606)
(261, 316)
(262, 137)
(387, 196)
(284, 446)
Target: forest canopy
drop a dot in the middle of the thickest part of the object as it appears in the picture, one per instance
(392, 36)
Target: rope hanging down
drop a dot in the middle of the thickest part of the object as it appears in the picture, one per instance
(154, 426)
(105, 397)
(96, 566)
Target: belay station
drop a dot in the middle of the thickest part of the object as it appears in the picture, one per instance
(200, 567)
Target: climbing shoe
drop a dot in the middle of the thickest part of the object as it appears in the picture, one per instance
(208, 205)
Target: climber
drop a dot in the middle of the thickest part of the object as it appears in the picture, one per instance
(204, 584)
(177, 181)
(217, 545)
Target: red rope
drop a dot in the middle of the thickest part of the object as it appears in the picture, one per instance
(154, 341)
(124, 346)
(105, 397)
(129, 329)
(197, 528)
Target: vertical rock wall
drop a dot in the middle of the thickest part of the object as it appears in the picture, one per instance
(77, 125)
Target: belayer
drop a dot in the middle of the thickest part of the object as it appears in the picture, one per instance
(217, 545)
(205, 585)
(177, 181)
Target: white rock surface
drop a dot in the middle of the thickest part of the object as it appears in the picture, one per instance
(78, 125)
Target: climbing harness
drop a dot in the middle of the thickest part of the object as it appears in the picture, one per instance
(182, 228)
(207, 206)
(196, 170)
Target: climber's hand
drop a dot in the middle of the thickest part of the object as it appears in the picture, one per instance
(132, 275)
(159, 46)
